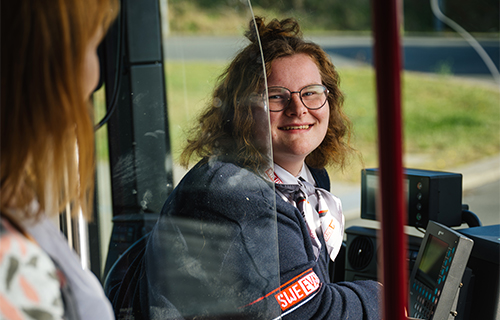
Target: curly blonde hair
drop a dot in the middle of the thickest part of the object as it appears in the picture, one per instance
(225, 126)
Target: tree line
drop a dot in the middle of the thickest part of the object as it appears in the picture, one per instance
(355, 15)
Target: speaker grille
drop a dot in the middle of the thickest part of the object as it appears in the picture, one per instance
(360, 252)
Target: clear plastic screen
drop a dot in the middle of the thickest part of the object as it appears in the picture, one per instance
(214, 252)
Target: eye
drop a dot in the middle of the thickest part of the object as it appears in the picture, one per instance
(276, 97)
(277, 94)
(312, 92)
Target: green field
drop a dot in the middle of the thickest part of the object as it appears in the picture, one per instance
(447, 121)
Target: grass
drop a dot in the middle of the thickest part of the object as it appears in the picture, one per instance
(447, 122)
(186, 18)
(188, 88)
(101, 134)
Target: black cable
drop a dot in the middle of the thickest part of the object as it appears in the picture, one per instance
(471, 219)
(119, 70)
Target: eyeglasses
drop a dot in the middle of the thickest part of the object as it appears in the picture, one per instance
(313, 97)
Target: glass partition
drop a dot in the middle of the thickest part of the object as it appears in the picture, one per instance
(205, 256)
(212, 250)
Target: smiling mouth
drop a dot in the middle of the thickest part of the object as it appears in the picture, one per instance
(304, 127)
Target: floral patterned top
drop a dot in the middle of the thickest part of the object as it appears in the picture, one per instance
(30, 285)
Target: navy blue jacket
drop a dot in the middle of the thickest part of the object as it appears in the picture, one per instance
(225, 246)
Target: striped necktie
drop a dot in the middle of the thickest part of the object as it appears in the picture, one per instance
(321, 211)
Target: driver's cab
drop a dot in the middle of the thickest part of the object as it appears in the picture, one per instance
(160, 62)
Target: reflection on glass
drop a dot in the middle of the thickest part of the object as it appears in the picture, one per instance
(214, 251)
(206, 256)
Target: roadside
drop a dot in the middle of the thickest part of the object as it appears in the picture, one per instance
(480, 172)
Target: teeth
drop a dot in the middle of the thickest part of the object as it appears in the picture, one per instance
(295, 127)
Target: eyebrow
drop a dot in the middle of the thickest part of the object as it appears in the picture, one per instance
(311, 84)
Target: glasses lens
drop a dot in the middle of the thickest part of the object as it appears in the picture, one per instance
(278, 98)
(314, 96)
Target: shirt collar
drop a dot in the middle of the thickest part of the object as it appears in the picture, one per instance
(287, 178)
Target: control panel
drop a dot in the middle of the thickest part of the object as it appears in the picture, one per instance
(430, 195)
(437, 275)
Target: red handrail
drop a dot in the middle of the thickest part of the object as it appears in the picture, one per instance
(392, 205)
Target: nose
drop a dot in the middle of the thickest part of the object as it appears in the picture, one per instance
(295, 106)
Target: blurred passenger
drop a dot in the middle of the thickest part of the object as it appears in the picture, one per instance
(49, 69)
(214, 252)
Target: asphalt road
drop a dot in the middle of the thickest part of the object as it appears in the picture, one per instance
(424, 54)
(484, 201)
(454, 56)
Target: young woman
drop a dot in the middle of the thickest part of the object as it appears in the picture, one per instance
(214, 251)
(49, 69)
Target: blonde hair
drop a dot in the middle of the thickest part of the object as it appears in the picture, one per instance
(47, 137)
(225, 126)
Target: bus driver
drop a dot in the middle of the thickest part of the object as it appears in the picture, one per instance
(212, 252)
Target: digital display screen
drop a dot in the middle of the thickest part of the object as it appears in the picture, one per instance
(372, 185)
(432, 261)
(371, 196)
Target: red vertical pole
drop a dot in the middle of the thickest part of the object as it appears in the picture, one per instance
(392, 205)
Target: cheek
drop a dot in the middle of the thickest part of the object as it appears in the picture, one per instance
(273, 119)
(261, 125)
(323, 116)
(324, 120)
(327, 119)
(90, 72)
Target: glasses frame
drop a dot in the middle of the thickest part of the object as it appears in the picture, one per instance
(325, 91)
